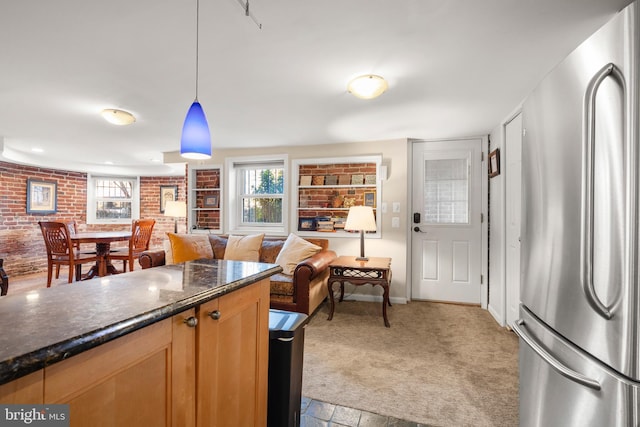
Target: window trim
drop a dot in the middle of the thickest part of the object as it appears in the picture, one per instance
(91, 199)
(234, 209)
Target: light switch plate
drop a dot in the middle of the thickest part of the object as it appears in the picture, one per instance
(384, 207)
(395, 222)
(396, 207)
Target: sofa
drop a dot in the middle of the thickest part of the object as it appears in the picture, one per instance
(301, 291)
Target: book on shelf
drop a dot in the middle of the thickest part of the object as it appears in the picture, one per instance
(324, 226)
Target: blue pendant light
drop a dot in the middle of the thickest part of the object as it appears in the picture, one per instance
(196, 138)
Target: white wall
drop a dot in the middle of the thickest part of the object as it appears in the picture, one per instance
(497, 228)
(393, 242)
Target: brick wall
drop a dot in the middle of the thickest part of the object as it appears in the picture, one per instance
(21, 243)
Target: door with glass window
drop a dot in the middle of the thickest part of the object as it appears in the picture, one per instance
(446, 228)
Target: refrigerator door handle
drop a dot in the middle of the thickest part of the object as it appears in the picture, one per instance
(588, 160)
(553, 362)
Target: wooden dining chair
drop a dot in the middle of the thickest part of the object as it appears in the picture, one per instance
(4, 280)
(141, 230)
(73, 229)
(61, 250)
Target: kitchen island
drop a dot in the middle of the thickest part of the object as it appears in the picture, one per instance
(183, 344)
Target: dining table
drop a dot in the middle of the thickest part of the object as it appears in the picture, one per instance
(102, 240)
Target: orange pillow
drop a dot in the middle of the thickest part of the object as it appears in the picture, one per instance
(188, 247)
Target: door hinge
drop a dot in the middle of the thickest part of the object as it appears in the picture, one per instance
(482, 156)
(482, 279)
(481, 217)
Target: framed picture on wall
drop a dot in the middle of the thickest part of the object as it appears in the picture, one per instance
(167, 192)
(210, 201)
(42, 196)
(307, 224)
(494, 163)
(370, 199)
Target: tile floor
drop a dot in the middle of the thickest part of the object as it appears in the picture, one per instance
(315, 413)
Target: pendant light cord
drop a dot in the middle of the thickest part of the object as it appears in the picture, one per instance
(197, 43)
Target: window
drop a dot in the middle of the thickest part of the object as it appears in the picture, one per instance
(446, 191)
(258, 202)
(112, 200)
(261, 191)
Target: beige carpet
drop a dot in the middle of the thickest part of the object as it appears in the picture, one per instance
(438, 364)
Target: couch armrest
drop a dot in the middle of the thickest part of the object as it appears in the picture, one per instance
(310, 268)
(148, 259)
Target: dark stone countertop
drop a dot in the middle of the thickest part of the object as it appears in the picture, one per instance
(43, 327)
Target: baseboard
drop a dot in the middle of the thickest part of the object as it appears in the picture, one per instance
(496, 315)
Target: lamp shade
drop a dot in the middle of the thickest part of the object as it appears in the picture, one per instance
(360, 218)
(368, 86)
(196, 139)
(175, 208)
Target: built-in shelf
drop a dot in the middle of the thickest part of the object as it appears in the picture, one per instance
(205, 199)
(327, 205)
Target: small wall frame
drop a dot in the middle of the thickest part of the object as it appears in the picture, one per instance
(494, 163)
(167, 192)
(42, 196)
(210, 201)
(307, 224)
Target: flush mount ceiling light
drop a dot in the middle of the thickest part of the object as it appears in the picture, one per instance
(195, 142)
(368, 86)
(118, 117)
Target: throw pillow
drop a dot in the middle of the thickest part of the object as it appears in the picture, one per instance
(187, 247)
(295, 250)
(244, 248)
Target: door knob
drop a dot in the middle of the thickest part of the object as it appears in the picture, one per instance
(191, 322)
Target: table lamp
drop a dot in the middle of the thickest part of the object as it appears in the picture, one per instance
(361, 218)
(175, 209)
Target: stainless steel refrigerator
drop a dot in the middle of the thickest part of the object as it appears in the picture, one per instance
(579, 323)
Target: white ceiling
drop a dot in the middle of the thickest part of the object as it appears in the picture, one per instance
(455, 68)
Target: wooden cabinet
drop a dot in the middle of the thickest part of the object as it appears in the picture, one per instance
(170, 373)
(27, 389)
(204, 199)
(233, 347)
(326, 188)
(144, 378)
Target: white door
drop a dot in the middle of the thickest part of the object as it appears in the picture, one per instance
(513, 202)
(447, 231)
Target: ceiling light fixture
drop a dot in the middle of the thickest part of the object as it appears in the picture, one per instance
(196, 139)
(368, 86)
(118, 117)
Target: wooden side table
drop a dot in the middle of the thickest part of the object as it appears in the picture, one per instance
(376, 271)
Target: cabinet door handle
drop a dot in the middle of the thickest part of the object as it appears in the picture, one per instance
(191, 322)
(215, 314)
